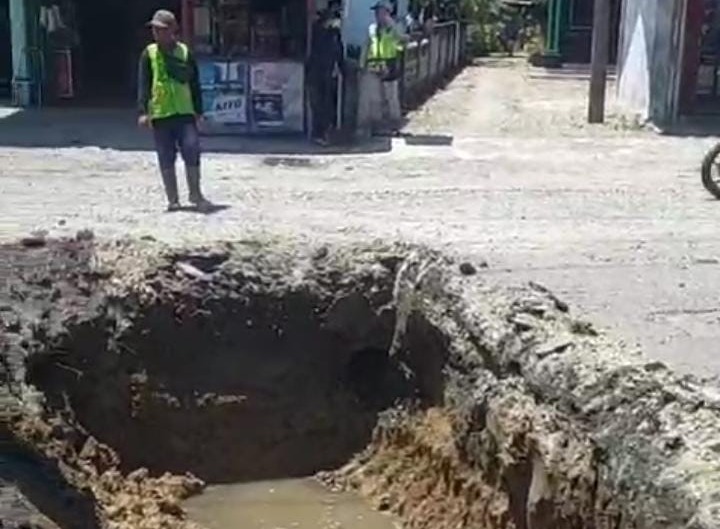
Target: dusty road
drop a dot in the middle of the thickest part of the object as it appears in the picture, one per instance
(501, 168)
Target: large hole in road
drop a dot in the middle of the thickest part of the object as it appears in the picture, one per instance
(231, 381)
(251, 389)
(229, 371)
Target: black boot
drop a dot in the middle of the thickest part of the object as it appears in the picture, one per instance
(169, 178)
(196, 196)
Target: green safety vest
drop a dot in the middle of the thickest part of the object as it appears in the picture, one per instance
(384, 46)
(168, 97)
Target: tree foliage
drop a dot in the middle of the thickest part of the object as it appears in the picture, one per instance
(496, 25)
(493, 25)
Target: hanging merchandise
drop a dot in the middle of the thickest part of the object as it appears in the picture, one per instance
(63, 74)
(202, 28)
(251, 56)
(51, 18)
(56, 21)
(233, 21)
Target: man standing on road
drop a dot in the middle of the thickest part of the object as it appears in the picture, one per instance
(170, 103)
(382, 59)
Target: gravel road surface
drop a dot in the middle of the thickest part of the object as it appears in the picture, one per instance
(498, 167)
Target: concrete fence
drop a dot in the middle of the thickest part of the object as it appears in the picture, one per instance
(429, 59)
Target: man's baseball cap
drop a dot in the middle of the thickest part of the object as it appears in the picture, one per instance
(163, 19)
(382, 4)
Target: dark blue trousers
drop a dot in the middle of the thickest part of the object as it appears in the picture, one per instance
(176, 134)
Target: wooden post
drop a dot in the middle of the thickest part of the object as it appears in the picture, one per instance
(600, 52)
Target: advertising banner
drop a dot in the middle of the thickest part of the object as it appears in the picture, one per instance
(236, 75)
(224, 92)
(277, 95)
(252, 96)
(211, 74)
(226, 107)
(267, 109)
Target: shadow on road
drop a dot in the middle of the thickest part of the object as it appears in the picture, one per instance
(695, 126)
(211, 210)
(116, 129)
(428, 140)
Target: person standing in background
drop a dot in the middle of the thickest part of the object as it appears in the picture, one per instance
(169, 102)
(325, 66)
(382, 62)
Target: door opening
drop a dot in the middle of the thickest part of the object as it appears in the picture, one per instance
(109, 37)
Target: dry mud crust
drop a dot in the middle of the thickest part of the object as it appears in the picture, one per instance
(493, 407)
(543, 424)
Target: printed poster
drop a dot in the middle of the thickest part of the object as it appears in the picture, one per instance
(236, 75)
(278, 95)
(270, 77)
(212, 73)
(225, 107)
(267, 109)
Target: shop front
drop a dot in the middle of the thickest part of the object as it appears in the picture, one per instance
(251, 57)
(79, 52)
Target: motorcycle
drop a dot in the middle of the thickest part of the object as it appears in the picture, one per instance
(711, 171)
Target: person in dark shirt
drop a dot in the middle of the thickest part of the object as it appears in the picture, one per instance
(325, 63)
(170, 103)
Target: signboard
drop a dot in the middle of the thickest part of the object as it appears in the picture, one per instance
(224, 92)
(242, 96)
(267, 110)
(215, 74)
(225, 107)
(211, 74)
(236, 75)
(277, 95)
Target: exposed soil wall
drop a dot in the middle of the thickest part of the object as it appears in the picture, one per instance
(467, 406)
(231, 389)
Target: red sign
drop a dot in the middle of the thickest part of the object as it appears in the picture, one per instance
(64, 74)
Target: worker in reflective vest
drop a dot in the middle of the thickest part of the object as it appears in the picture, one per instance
(170, 103)
(382, 60)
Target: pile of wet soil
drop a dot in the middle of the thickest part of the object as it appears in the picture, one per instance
(136, 373)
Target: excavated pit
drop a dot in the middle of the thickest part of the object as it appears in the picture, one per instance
(135, 375)
(242, 390)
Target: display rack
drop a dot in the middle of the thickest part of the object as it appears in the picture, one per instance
(252, 72)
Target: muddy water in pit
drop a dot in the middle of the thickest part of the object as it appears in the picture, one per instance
(285, 504)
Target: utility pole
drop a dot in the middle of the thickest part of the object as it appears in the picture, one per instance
(600, 53)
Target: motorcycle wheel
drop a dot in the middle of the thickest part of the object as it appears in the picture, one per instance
(711, 171)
